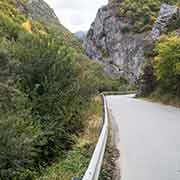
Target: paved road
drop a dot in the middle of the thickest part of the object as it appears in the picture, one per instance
(148, 137)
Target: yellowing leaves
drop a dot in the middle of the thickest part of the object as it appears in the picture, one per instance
(33, 27)
(167, 63)
(178, 68)
(27, 26)
(42, 32)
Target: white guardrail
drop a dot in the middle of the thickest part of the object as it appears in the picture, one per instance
(94, 168)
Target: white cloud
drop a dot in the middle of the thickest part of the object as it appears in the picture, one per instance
(76, 14)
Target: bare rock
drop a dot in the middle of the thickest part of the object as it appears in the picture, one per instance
(121, 52)
(166, 15)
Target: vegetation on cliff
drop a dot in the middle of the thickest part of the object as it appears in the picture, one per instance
(141, 13)
(161, 76)
(167, 64)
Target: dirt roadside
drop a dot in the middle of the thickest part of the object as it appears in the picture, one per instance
(110, 169)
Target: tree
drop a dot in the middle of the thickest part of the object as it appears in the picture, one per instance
(167, 64)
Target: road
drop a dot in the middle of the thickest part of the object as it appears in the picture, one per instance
(148, 137)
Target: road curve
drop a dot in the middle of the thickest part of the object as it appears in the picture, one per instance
(148, 138)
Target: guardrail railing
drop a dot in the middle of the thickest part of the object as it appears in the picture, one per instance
(94, 167)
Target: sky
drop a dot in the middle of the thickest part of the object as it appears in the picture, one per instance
(76, 15)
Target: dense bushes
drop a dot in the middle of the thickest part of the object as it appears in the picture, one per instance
(167, 64)
(44, 88)
(161, 77)
(8, 29)
(38, 126)
(147, 80)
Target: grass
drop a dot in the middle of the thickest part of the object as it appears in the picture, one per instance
(75, 162)
(165, 99)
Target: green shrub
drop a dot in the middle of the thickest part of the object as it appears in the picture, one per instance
(8, 28)
(45, 86)
(147, 80)
(38, 130)
(58, 84)
(126, 29)
(167, 63)
(17, 134)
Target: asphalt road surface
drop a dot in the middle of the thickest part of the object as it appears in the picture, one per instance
(148, 137)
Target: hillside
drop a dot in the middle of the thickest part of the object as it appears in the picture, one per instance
(43, 18)
(47, 85)
(40, 11)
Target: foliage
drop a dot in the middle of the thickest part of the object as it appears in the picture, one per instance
(147, 80)
(175, 23)
(165, 98)
(46, 84)
(76, 161)
(8, 29)
(141, 13)
(167, 64)
(9, 12)
(104, 53)
(8, 8)
(64, 35)
(44, 88)
(161, 77)
(74, 164)
(17, 133)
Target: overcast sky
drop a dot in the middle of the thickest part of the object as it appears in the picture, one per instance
(76, 14)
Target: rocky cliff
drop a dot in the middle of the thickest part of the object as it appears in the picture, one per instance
(168, 14)
(115, 41)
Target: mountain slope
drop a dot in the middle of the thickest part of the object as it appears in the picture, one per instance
(46, 86)
(39, 11)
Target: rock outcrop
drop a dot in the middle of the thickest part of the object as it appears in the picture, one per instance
(121, 51)
(166, 15)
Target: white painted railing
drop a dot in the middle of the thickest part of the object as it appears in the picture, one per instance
(94, 168)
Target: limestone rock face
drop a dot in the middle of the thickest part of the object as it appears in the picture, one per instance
(123, 52)
(166, 15)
